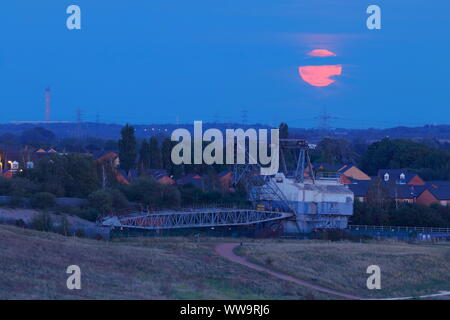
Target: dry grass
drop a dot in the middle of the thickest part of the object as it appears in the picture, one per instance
(33, 265)
(406, 270)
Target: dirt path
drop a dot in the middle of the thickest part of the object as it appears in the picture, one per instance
(226, 251)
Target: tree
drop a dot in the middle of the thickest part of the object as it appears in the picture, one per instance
(101, 200)
(377, 194)
(71, 175)
(166, 154)
(127, 148)
(110, 145)
(284, 131)
(400, 153)
(119, 199)
(287, 157)
(334, 151)
(22, 187)
(212, 182)
(152, 193)
(155, 154)
(145, 155)
(63, 226)
(82, 175)
(42, 222)
(8, 139)
(5, 186)
(43, 200)
(38, 137)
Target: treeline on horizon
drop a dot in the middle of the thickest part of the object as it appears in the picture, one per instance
(111, 131)
(427, 157)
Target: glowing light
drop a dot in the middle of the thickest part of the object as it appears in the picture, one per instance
(321, 53)
(320, 76)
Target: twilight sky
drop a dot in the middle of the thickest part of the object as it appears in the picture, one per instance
(143, 61)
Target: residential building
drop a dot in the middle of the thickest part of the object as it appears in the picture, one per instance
(400, 176)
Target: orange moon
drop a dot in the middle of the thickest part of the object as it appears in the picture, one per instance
(320, 76)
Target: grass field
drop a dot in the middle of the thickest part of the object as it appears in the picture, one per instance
(33, 265)
(406, 269)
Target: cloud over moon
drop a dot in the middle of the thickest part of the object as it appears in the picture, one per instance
(321, 53)
(320, 76)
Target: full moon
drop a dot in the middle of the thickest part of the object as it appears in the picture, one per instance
(321, 75)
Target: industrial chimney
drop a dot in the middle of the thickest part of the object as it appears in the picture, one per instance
(47, 103)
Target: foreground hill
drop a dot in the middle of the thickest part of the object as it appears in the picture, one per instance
(33, 265)
(406, 269)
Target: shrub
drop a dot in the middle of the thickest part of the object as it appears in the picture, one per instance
(152, 193)
(101, 200)
(23, 187)
(85, 213)
(20, 223)
(5, 186)
(43, 200)
(42, 222)
(98, 237)
(119, 199)
(63, 226)
(79, 233)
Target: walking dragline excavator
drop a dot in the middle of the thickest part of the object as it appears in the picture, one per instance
(313, 201)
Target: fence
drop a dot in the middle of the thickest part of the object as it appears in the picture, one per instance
(399, 229)
(401, 232)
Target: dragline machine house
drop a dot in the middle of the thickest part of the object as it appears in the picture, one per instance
(318, 203)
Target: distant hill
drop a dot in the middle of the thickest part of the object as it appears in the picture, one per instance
(112, 131)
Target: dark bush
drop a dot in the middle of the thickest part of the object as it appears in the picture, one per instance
(102, 201)
(98, 237)
(42, 222)
(119, 199)
(152, 193)
(22, 187)
(80, 233)
(90, 214)
(20, 223)
(43, 200)
(5, 186)
(16, 202)
(63, 226)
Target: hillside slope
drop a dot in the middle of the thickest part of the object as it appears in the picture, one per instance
(33, 266)
(406, 269)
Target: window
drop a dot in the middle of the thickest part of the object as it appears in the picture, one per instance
(386, 176)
